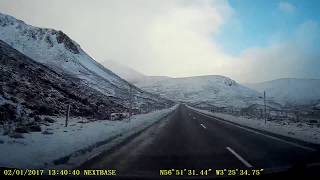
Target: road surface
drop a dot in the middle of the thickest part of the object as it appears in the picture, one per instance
(188, 139)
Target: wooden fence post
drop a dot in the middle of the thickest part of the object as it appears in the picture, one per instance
(67, 115)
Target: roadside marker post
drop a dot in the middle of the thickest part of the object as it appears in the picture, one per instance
(265, 107)
(67, 115)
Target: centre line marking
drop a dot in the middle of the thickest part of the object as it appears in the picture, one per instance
(203, 126)
(239, 157)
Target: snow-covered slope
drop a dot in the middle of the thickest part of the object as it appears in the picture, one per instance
(215, 90)
(291, 91)
(28, 88)
(57, 51)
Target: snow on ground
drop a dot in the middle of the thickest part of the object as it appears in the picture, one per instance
(301, 131)
(38, 150)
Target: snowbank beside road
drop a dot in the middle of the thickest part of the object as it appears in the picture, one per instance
(301, 131)
(40, 150)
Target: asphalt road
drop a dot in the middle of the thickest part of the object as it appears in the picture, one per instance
(191, 140)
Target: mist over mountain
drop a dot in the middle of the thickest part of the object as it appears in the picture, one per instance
(123, 71)
(291, 91)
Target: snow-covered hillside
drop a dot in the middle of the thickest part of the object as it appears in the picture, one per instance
(215, 90)
(291, 91)
(57, 51)
(28, 88)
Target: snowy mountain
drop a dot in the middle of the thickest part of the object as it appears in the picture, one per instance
(215, 90)
(291, 91)
(57, 51)
(199, 91)
(29, 88)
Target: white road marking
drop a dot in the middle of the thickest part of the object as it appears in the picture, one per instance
(246, 163)
(256, 132)
(203, 126)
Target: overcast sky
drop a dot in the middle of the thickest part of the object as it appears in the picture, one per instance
(247, 40)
